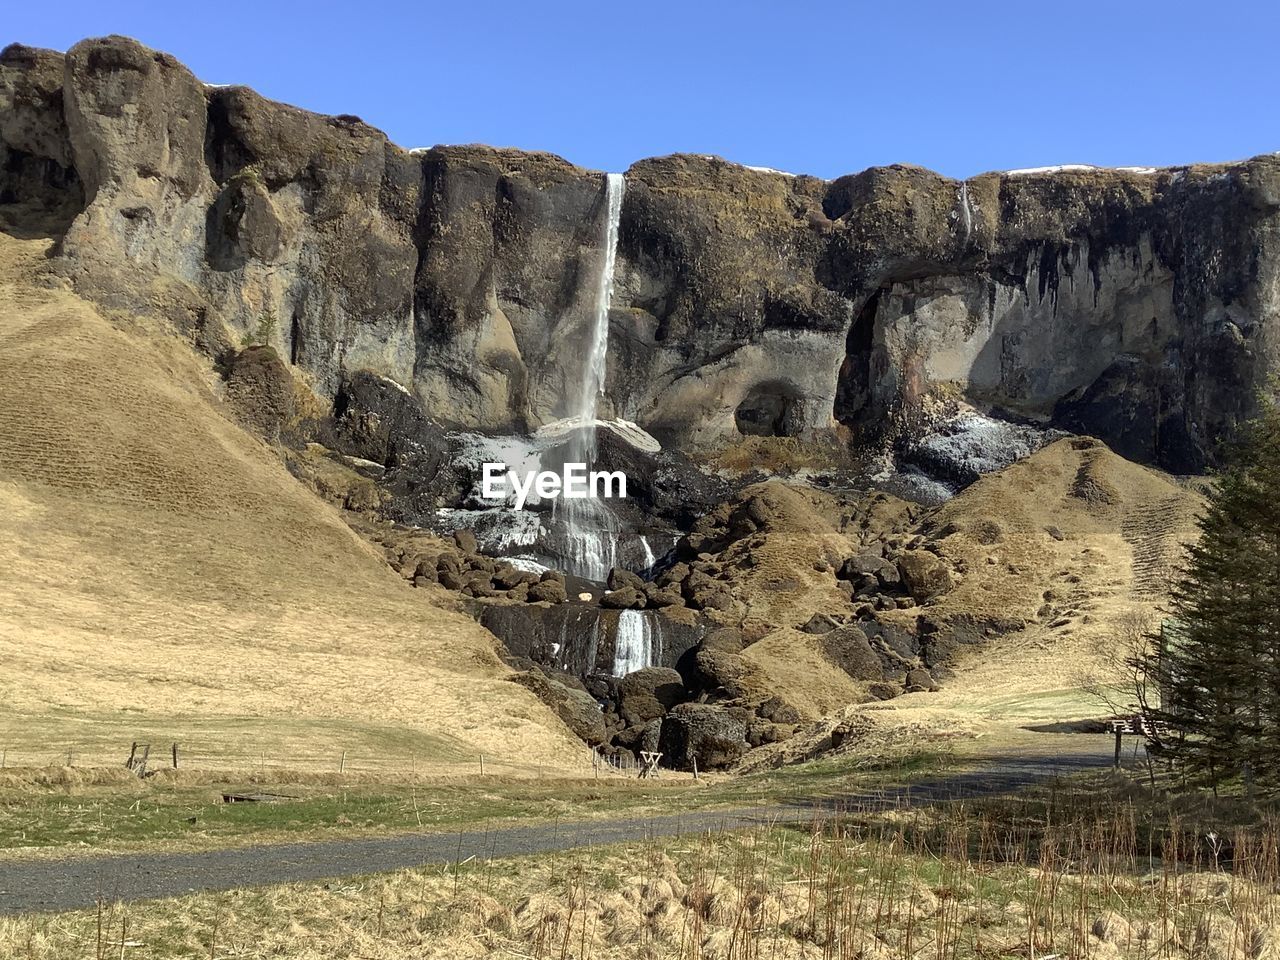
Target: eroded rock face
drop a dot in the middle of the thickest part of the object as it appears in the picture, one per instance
(40, 189)
(1129, 304)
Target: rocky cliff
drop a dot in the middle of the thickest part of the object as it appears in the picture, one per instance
(1135, 305)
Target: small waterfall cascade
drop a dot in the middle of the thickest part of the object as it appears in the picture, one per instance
(636, 644)
(591, 529)
(966, 211)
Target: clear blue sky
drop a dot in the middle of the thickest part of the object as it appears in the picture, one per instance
(820, 87)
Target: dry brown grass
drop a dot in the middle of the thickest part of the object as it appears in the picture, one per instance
(1079, 544)
(167, 579)
(801, 673)
(1062, 877)
(780, 456)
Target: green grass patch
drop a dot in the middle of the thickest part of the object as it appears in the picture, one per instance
(138, 814)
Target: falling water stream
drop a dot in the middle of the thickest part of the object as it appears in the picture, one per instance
(633, 643)
(582, 536)
(590, 527)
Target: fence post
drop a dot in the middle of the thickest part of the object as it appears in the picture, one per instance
(175, 755)
(342, 764)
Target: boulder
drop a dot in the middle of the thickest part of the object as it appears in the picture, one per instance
(465, 540)
(619, 578)
(861, 565)
(819, 623)
(478, 583)
(547, 591)
(508, 577)
(724, 675)
(925, 574)
(850, 650)
(713, 736)
(884, 690)
(760, 732)
(647, 694)
(850, 730)
(450, 579)
(777, 710)
(475, 561)
(659, 597)
(674, 575)
(624, 598)
(919, 680)
(724, 640)
(704, 593)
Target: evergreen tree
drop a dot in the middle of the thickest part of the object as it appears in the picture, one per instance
(261, 335)
(1218, 660)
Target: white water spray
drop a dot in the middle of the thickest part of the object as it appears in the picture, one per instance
(633, 643)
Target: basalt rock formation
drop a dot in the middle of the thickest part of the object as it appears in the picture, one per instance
(1130, 304)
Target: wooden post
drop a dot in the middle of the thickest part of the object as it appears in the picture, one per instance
(133, 752)
(482, 764)
(175, 755)
(1119, 734)
(342, 764)
(695, 768)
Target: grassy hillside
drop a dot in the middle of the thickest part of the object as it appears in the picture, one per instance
(165, 579)
(1080, 544)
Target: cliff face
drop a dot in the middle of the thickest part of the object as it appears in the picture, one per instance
(1135, 305)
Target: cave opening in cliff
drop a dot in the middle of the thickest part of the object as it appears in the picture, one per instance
(853, 385)
(769, 410)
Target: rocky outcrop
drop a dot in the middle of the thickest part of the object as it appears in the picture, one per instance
(576, 708)
(40, 188)
(260, 391)
(708, 735)
(1130, 304)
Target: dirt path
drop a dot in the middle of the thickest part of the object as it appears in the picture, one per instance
(47, 885)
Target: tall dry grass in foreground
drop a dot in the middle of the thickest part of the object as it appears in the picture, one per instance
(1064, 878)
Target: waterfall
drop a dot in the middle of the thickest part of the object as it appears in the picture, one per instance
(593, 381)
(590, 526)
(633, 643)
(966, 210)
(649, 558)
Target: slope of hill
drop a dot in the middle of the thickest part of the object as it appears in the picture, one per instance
(166, 579)
(1080, 544)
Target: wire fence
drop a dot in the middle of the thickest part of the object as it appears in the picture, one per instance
(149, 758)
